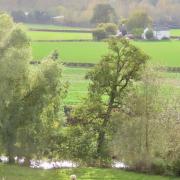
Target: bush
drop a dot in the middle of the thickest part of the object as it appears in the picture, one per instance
(149, 34)
(110, 28)
(104, 30)
(176, 167)
(141, 166)
(99, 34)
(138, 32)
(158, 166)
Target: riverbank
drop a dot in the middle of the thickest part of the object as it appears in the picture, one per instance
(9, 172)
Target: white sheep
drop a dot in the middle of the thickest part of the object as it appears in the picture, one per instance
(73, 177)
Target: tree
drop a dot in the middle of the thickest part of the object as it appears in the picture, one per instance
(104, 30)
(104, 13)
(109, 84)
(139, 20)
(15, 56)
(149, 34)
(43, 111)
(31, 104)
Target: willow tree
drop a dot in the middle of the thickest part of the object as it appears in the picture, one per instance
(15, 54)
(31, 109)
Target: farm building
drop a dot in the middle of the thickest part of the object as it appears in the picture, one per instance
(159, 33)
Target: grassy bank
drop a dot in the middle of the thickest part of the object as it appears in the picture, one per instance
(22, 173)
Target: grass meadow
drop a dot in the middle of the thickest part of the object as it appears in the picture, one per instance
(78, 85)
(23, 173)
(52, 27)
(164, 53)
(38, 35)
(175, 32)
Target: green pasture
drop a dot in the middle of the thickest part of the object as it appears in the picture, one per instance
(52, 27)
(23, 173)
(164, 53)
(83, 52)
(169, 75)
(169, 84)
(77, 83)
(40, 35)
(175, 32)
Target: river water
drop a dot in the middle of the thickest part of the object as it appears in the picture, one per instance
(44, 164)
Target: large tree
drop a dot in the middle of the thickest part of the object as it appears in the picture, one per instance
(104, 13)
(139, 20)
(31, 110)
(110, 82)
(14, 59)
(43, 110)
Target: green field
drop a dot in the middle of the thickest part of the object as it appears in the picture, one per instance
(53, 27)
(22, 173)
(40, 35)
(78, 85)
(175, 32)
(165, 53)
(84, 52)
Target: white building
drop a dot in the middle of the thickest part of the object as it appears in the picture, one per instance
(159, 33)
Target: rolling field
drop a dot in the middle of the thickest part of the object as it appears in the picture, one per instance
(36, 35)
(164, 53)
(22, 173)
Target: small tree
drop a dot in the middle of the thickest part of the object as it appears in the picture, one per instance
(149, 34)
(138, 20)
(138, 32)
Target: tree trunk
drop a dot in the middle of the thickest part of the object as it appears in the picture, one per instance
(101, 137)
(11, 160)
(27, 162)
(10, 152)
(102, 133)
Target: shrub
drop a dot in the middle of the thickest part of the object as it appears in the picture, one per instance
(158, 166)
(99, 34)
(138, 32)
(149, 34)
(176, 167)
(104, 30)
(110, 28)
(141, 165)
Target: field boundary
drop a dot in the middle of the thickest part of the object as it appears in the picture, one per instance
(90, 65)
(70, 40)
(63, 30)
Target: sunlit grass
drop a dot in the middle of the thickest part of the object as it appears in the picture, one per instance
(22, 173)
(40, 35)
(161, 53)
